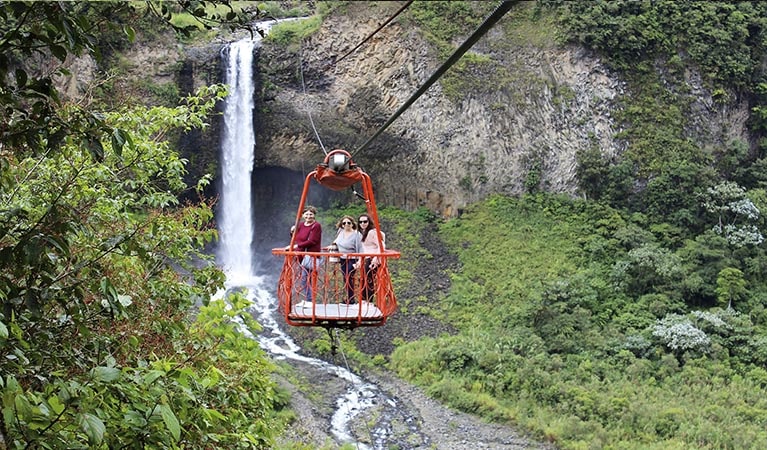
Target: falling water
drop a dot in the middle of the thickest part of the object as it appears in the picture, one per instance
(236, 216)
(235, 254)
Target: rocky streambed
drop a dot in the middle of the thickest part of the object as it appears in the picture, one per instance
(411, 419)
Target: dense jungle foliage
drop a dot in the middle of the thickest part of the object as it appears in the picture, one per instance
(633, 319)
(108, 337)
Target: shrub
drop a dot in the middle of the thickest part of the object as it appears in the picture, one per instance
(679, 334)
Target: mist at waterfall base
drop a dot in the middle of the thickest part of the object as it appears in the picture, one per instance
(256, 209)
(276, 192)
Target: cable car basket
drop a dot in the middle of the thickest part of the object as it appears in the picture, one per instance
(312, 291)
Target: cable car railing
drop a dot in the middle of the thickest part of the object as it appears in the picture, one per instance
(319, 297)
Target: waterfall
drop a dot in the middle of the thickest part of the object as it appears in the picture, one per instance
(235, 225)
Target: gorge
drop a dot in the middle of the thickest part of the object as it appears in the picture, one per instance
(339, 405)
(577, 206)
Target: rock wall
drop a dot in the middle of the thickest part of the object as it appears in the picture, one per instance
(517, 126)
(440, 153)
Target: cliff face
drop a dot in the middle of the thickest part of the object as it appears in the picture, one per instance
(509, 121)
(516, 123)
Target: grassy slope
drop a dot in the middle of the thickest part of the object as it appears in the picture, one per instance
(594, 396)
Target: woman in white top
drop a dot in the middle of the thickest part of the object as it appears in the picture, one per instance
(348, 240)
(370, 244)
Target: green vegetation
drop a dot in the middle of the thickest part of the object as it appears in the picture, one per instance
(166, 94)
(292, 32)
(651, 44)
(188, 18)
(91, 240)
(199, 22)
(108, 335)
(444, 22)
(199, 17)
(640, 324)
(574, 323)
(724, 39)
(636, 319)
(472, 73)
(281, 10)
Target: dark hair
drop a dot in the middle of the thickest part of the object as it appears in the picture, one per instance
(310, 208)
(371, 226)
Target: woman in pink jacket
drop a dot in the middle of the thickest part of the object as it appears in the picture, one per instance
(370, 244)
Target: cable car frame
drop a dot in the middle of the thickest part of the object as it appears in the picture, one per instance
(330, 307)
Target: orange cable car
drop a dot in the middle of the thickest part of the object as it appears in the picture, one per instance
(314, 293)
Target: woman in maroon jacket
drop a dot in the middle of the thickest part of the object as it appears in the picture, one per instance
(308, 239)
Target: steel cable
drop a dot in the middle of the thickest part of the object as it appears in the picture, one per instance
(499, 12)
(308, 112)
(374, 33)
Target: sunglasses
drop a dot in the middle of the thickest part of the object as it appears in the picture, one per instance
(363, 221)
(346, 223)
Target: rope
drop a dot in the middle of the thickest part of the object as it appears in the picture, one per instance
(346, 363)
(308, 112)
(374, 33)
(500, 10)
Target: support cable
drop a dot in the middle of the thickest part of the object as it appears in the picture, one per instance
(500, 10)
(374, 33)
(308, 112)
(301, 66)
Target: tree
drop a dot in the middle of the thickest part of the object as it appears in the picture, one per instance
(673, 194)
(100, 270)
(648, 269)
(592, 171)
(730, 285)
(736, 214)
(703, 258)
(108, 338)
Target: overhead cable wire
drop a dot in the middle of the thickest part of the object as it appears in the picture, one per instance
(374, 33)
(499, 12)
(308, 112)
(301, 67)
